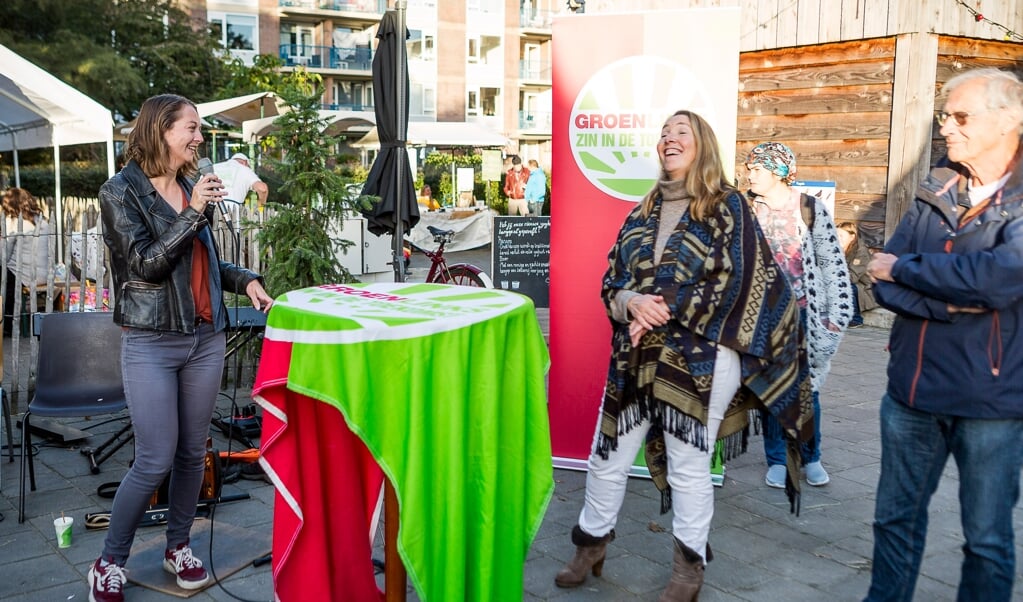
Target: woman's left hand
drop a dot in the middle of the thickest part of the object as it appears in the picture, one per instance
(636, 332)
(831, 325)
(260, 300)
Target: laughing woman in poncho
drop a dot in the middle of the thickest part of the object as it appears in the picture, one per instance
(705, 328)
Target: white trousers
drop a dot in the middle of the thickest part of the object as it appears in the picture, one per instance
(692, 493)
(517, 207)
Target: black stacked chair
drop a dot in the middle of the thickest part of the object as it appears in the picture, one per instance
(78, 374)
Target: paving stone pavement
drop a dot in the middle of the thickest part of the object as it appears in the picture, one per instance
(762, 552)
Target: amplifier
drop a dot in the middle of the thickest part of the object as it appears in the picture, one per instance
(245, 318)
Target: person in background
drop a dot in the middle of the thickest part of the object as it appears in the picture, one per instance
(536, 188)
(805, 245)
(27, 247)
(239, 179)
(857, 256)
(705, 328)
(515, 187)
(170, 304)
(953, 274)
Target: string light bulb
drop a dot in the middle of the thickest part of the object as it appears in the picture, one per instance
(1009, 36)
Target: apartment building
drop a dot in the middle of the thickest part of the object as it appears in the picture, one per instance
(486, 62)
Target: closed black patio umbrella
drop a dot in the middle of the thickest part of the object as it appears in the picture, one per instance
(390, 177)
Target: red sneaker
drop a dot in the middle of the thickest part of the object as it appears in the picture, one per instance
(188, 569)
(106, 582)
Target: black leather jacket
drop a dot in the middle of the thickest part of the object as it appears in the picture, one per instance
(151, 255)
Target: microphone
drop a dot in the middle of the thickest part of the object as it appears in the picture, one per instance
(206, 167)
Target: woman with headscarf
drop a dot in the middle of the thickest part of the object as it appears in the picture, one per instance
(805, 246)
(704, 328)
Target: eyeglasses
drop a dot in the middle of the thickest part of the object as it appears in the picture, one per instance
(960, 117)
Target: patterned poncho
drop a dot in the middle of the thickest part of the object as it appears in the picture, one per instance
(723, 288)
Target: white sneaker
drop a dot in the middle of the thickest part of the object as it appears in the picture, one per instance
(816, 476)
(776, 476)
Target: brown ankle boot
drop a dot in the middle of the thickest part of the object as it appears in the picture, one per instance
(686, 575)
(589, 556)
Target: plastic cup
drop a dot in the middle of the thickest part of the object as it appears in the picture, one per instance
(62, 526)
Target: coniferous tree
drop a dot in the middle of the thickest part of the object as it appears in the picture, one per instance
(301, 237)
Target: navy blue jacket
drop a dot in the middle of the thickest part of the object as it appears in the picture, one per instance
(958, 364)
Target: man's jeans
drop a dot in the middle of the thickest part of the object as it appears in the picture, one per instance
(914, 448)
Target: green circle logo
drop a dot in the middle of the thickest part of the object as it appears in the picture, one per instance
(617, 117)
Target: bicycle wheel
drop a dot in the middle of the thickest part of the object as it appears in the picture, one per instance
(462, 275)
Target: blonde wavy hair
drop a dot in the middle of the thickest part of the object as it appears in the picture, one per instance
(706, 183)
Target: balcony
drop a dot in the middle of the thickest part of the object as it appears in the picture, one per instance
(369, 7)
(535, 122)
(347, 107)
(535, 72)
(357, 60)
(537, 21)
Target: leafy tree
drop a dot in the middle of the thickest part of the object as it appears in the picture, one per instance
(437, 172)
(118, 52)
(263, 76)
(313, 197)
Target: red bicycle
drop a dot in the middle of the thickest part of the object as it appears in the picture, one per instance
(464, 274)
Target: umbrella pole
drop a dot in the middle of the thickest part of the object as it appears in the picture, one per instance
(395, 575)
(400, 76)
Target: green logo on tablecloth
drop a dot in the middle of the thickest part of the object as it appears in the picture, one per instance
(338, 312)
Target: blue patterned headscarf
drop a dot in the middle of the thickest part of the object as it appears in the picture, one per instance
(776, 158)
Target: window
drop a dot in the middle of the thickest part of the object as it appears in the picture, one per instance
(472, 102)
(420, 45)
(488, 100)
(235, 32)
(299, 40)
(531, 61)
(473, 50)
(353, 96)
(423, 100)
(429, 100)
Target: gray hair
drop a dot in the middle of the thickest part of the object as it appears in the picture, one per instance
(1003, 90)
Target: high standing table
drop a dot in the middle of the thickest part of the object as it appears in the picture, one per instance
(440, 388)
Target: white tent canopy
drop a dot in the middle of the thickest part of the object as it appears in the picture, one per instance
(234, 111)
(339, 122)
(441, 133)
(42, 111)
(37, 110)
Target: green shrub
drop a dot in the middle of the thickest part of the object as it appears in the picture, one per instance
(76, 179)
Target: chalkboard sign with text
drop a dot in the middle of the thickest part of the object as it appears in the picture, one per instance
(522, 256)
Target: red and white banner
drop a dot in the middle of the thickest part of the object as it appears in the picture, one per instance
(617, 78)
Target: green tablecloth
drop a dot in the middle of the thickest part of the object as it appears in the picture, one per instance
(445, 386)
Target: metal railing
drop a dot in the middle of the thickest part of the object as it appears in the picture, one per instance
(375, 7)
(535, 70)
(326, 57)
(538, 121)
(536, 19)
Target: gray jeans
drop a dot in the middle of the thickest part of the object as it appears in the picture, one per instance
(171, 382)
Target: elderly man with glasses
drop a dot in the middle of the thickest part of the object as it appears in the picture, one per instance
(953, 274)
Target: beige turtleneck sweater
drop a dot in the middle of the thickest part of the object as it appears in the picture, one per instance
(674, 205)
